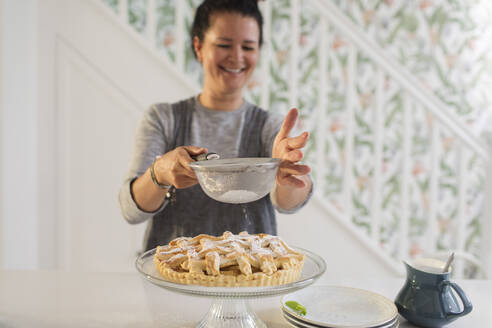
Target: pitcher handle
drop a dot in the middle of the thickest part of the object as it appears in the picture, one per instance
(467, 306)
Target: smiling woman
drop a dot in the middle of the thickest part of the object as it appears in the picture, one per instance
(226, 39)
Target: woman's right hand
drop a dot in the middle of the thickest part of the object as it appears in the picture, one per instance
(172, 168)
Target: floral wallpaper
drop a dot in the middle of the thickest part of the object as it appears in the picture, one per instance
(445, 43)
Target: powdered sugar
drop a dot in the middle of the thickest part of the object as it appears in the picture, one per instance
(238, 196)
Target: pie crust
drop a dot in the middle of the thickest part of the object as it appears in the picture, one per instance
(229, 260)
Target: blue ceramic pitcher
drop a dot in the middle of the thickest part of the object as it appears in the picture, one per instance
(426, 298)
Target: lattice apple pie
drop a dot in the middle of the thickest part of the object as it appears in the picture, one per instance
(229, 260)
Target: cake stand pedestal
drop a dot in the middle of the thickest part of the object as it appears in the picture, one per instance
(230, 312)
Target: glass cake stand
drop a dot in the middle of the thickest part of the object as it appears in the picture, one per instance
(230, 305)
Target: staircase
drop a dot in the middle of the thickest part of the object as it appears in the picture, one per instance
(393, 160)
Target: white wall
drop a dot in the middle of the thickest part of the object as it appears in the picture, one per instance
(314, 229)
(1, 139)
(46, 138)
(18, 134)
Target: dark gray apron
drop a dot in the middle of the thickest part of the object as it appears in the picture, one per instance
(193, 212)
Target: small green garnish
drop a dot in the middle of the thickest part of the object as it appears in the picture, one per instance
(296, 307)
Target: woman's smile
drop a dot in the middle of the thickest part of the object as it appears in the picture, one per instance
(232, 70)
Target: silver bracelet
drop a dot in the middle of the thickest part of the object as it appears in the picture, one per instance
(154, 179)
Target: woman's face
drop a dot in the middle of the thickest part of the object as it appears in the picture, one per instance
(229, 52)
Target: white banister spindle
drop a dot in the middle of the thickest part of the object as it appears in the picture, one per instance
(151, 25)
(321, 127)
(404, 219)
(180, 34)
(486, 223)
(348, 174)
(432, 225)
(266, 54)
(406, 169)
(378, 132)
(294, 52)
(123, 10)
(462, 187)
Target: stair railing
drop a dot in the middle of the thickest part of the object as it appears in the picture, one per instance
(415, 98)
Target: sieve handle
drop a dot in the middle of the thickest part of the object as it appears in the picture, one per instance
(206, 157)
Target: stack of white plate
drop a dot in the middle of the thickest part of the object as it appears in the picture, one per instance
(340, 307)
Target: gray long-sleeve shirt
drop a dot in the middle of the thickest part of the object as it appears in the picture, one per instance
(216, 130)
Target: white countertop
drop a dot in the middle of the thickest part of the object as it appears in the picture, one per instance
(61, 299)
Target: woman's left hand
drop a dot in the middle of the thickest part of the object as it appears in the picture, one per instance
(288, 149)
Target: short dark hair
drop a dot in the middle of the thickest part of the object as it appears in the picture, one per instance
(201, 22)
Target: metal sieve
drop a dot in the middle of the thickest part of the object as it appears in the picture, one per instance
(237, 180)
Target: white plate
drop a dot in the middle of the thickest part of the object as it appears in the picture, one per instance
(296, 324)
(301, 324)
(341, 307)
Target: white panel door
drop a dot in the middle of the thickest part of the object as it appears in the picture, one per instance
(96, 126)
(96, 78)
